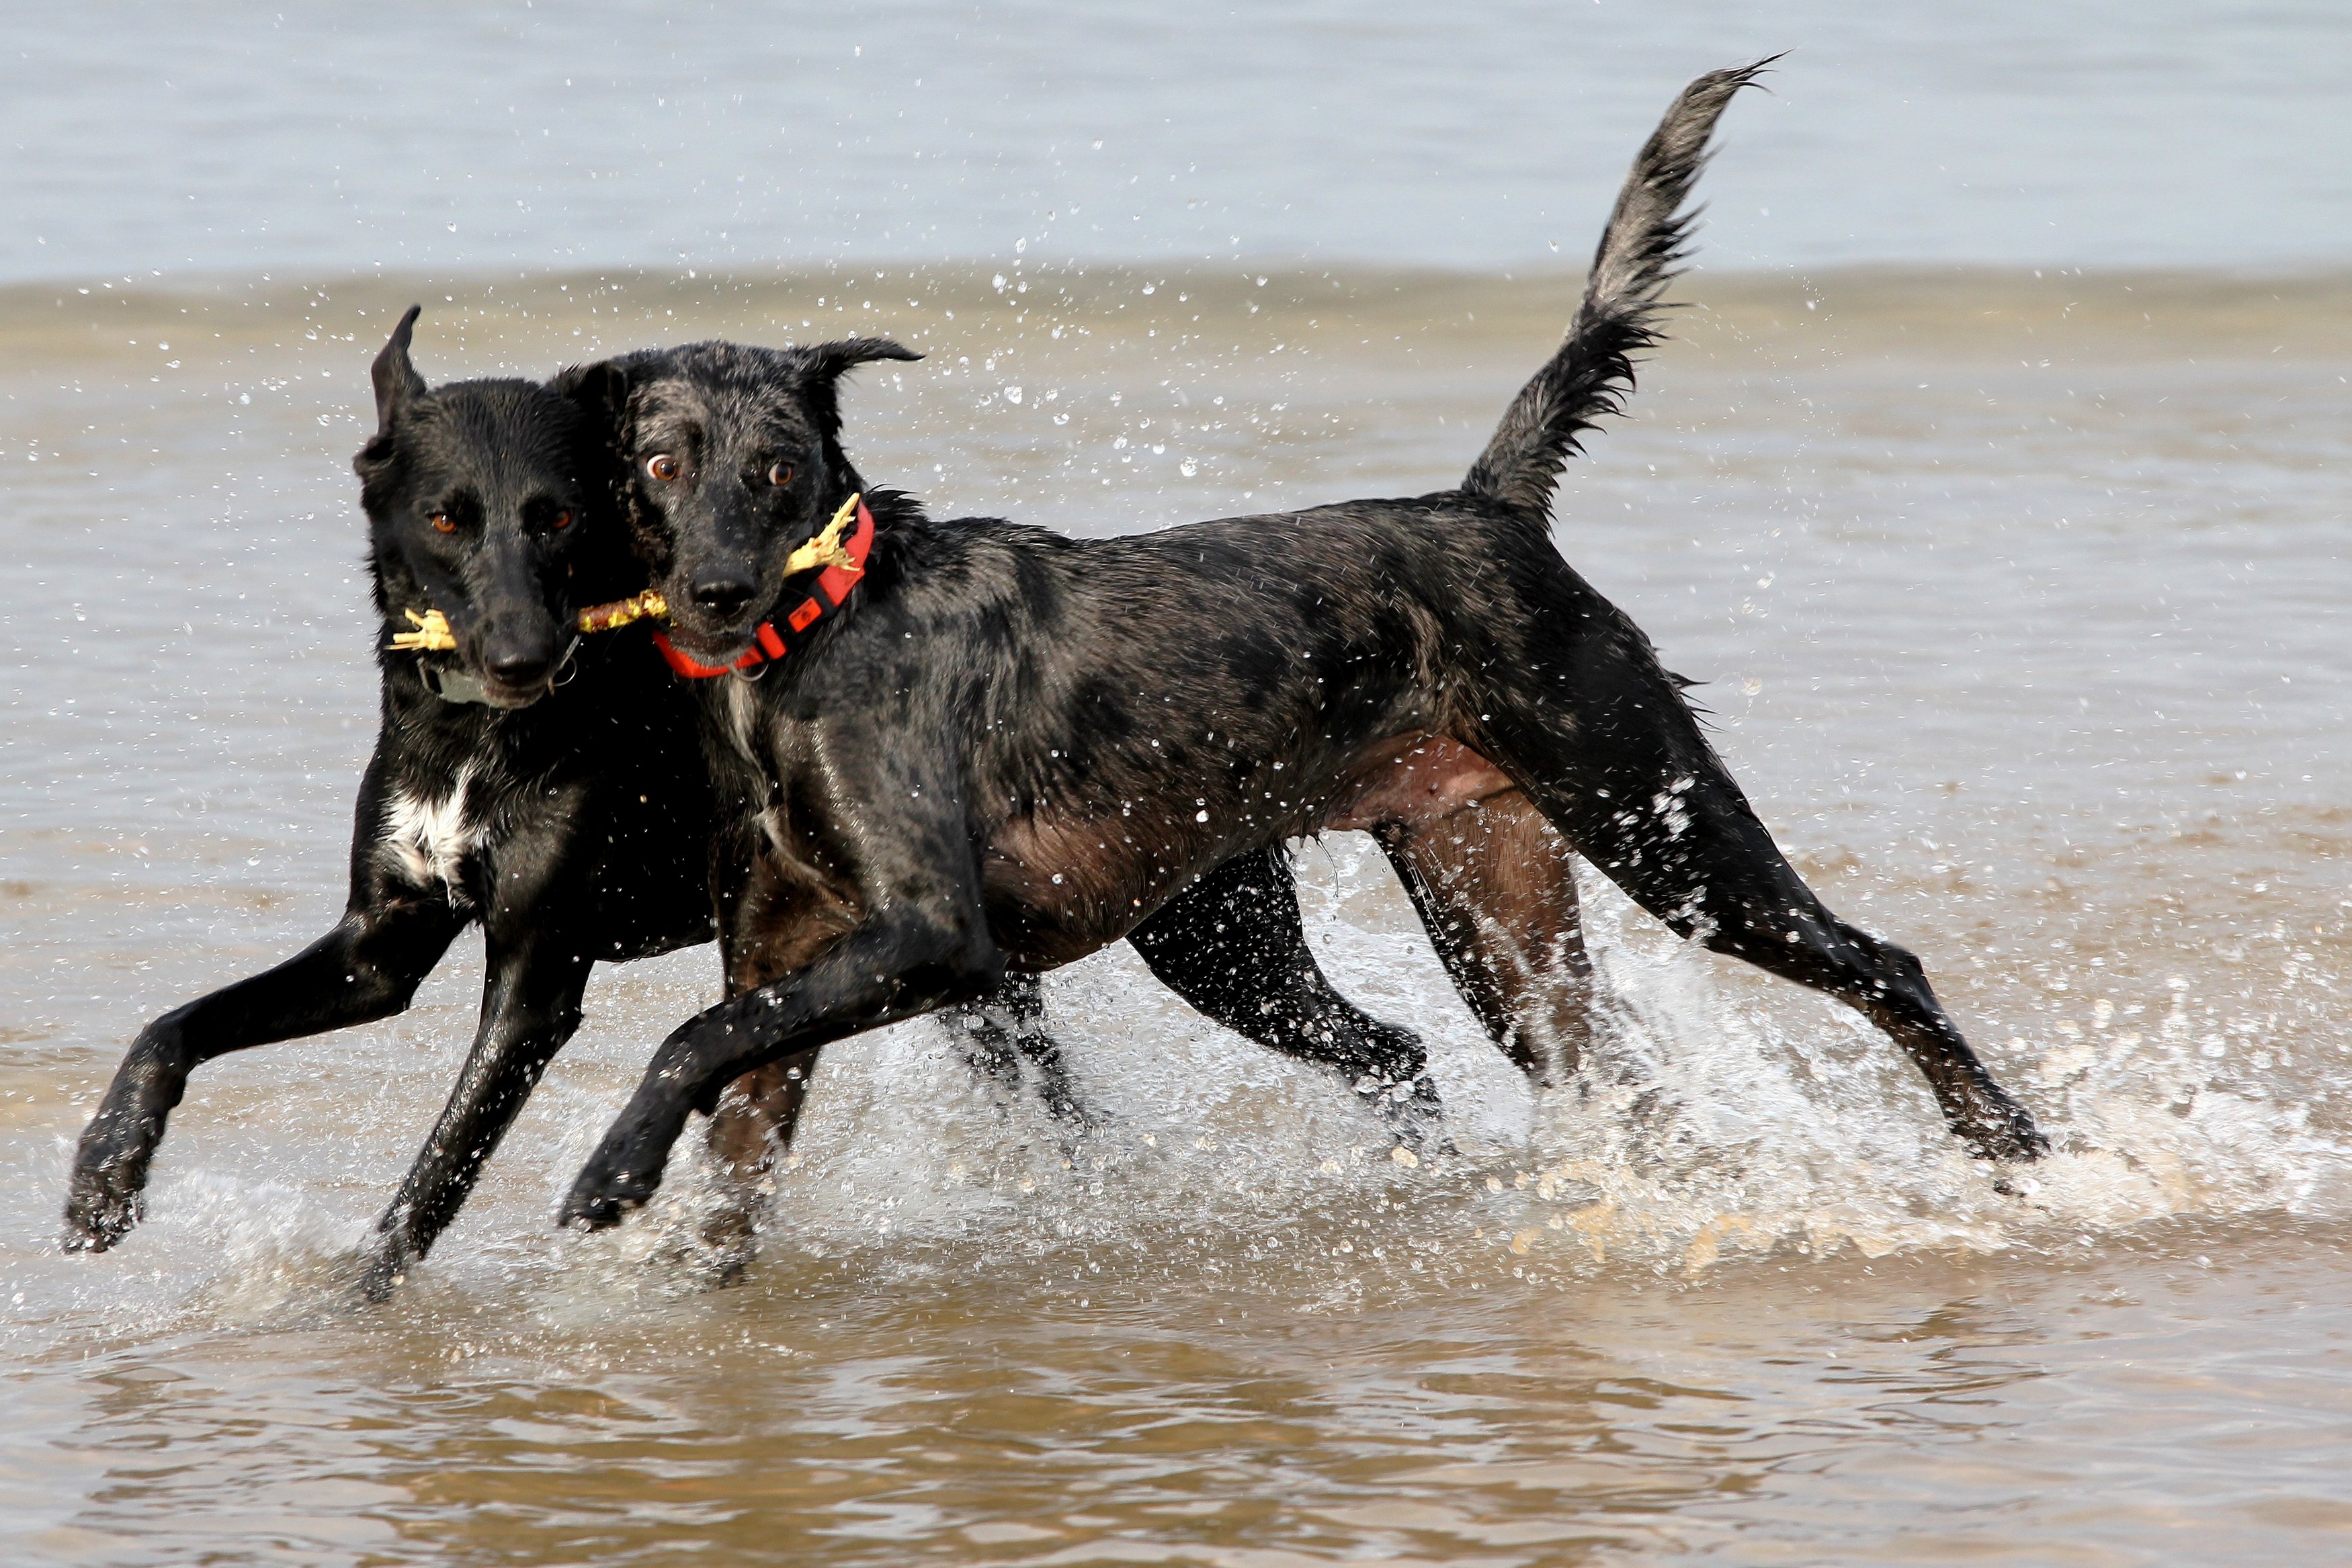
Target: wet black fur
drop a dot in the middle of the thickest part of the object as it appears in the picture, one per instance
(596, 819)
(1013, 746)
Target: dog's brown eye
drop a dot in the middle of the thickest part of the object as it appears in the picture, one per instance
(563, 520)
(661, 466)
(442, 524)
(781, 473)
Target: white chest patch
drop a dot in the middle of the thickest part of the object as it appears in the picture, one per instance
(743, 729)
(429, 840)
(743, 719)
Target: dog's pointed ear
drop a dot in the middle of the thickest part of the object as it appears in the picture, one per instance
(600, 391)
(396, 384)
(396, 381)
(826, 361)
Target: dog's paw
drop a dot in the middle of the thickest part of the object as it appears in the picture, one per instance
(599, 1202)
(383, 1269)
(1415, 1114)
(102, 1207)
(2005, 1133)
(727, 1262)
(582, 1213)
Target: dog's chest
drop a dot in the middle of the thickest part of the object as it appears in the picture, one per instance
(430, 837)
(739, 721)
(742, 722)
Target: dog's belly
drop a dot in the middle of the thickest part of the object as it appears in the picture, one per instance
(1410, 781)
(1059, 888)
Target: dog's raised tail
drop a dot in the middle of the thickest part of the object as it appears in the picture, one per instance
(1617, 319)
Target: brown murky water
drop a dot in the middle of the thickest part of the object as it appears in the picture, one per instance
(2021, 603)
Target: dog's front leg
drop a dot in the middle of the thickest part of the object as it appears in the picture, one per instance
(366, 968)
(999, 1036)
(904, 960)
(531, 1006)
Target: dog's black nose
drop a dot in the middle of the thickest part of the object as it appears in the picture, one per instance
(519, 663)
(723, 595)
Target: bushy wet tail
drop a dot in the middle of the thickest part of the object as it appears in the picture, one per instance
(1618, 317)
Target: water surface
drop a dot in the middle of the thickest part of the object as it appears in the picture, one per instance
(346, 136)
(2020, 602)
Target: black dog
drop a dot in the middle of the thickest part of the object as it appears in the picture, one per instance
(981, 748)
(551, 788)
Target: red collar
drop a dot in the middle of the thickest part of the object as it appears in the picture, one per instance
(773, 641)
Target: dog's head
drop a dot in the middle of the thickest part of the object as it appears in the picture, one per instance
(730, 459)
(485, 502)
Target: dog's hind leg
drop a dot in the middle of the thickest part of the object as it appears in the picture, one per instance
(1234, 946)
(1571, 700)
(531, 1006)
(1598, 736)
(366, 968)
(1496, 887)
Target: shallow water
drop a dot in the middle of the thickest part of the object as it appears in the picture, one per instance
(2019, 599)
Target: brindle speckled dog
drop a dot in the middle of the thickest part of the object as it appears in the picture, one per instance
(1001, 749)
